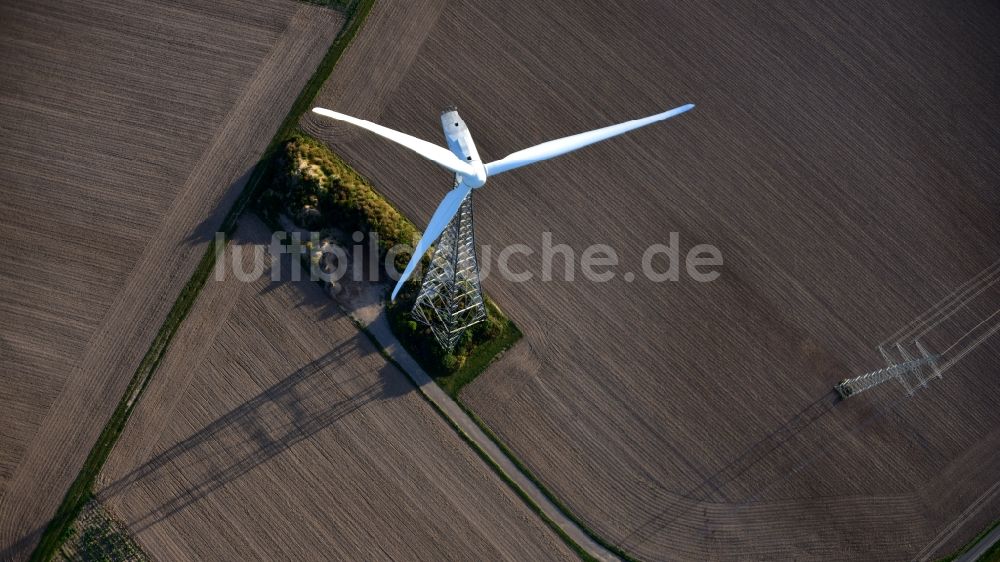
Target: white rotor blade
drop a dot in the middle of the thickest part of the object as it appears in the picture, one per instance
(442, 216)
(561, 146)
(438, 154)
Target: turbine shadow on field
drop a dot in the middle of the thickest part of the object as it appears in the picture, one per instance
(310, 400)
(713, 488)
(22, 547)
(206, 229)
(310, 296)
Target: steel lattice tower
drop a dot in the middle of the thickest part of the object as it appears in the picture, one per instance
(451, 298)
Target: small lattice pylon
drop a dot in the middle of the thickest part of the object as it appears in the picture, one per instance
(857, 385)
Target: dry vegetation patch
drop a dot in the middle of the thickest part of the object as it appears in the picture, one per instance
(322, 192)
(96, 536)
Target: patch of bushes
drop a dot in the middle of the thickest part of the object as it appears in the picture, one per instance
(477, 348)
(318, 190)
(991, 555)
(96, 536)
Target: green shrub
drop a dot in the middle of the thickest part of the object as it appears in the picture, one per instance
(475, 350)
(312, 185)
(319, 190)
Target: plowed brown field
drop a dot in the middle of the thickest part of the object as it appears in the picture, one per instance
(275, 430)
(128, 128)
(844, 158)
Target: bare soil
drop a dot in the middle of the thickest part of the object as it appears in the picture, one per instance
(844, 159)
(274, 429)
(128, 129)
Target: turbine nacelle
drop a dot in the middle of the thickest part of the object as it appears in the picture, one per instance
(460, 142)
(462, 158)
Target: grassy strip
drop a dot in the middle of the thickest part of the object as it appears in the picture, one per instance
(576, 548)
(484, 354)
(995, 550)
(617, 550)
(991, 555)
(478, 347)
(472, 355)
(274, 225)
(81, 489)
(355, 14)
(583, 554)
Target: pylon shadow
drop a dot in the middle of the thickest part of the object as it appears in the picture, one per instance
(205, 230)
(713, 488)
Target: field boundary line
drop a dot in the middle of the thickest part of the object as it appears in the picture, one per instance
(576, 536)
(953, 527)
(982, 547)
(81, 490)
(617, 550)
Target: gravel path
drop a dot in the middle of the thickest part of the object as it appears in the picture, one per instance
(379, 327)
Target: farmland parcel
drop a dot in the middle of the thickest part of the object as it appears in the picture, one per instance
(128, 130)
(843, 158)
(274, 429)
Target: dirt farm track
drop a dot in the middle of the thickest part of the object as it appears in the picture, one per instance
(844, 158)
(128, 128)
(274, 430)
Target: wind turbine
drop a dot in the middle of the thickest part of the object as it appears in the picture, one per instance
(454, 214)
